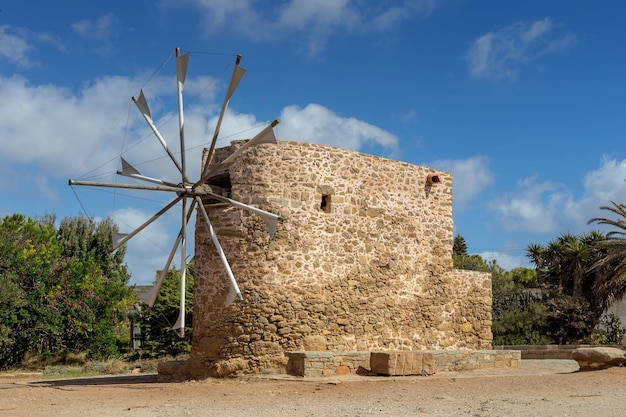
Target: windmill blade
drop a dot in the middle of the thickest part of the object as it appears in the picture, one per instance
(143, 107)
(181, 66)
(116, 237)
(175, 189)
(129, 171)
(147, 223)
(181, 74)
(270, 219)
(265, 136)
(150, 297)
(235, 78)
(180, 322)
(234, 292)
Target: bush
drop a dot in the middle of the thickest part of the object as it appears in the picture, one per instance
(104, 344)
(615, 332)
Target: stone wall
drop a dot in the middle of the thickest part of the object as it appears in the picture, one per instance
(549, 351)
(361, 262)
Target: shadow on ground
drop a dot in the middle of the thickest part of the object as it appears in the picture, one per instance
(105, 380)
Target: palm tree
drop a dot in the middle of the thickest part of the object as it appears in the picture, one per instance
(576, 255)
(574, 293)
(611, 262)
(537, 255)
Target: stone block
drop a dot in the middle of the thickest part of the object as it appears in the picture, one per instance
(402, 363)
(429, 366)
(343, 370)
(598, 357)
(172, 371)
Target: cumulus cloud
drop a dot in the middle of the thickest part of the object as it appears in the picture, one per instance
(318, 20)
(506, 260)
(318, 124)
(470, 177)
(14, 47)
(503, 53)
(545, 207)
(101, 28)
(40, 124)
(533, 207)
(152, 245)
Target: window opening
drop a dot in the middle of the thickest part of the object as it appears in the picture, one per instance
(220, 184)
(325, 205)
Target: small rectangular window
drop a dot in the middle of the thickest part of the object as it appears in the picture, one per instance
(220, 184)
(325, 205)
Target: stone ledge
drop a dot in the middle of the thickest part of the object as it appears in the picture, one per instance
(326, 363)
(549, 351)
(403, 363)
(337, 363)
(468, 360)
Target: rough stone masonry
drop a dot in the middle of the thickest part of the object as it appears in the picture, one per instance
(361, 262)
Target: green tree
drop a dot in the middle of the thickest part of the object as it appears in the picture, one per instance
(610, 262)
(29, 256)
(98, 282)
(157, 323)
(57, 300)
(84, 238)
(572, 290)
(517, 315)
(459, 246)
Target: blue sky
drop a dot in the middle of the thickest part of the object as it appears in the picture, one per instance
(524, 102)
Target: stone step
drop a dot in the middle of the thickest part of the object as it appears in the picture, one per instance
(403, 363)
(417, 362)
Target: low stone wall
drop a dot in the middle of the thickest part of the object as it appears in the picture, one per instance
(311, 364)
(326, 363)
(469, 360)
(547, 351)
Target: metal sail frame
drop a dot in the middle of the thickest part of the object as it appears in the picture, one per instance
(188, 190)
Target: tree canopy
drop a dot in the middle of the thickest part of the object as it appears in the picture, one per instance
(157, 323)
(62, 289)
(579, 277)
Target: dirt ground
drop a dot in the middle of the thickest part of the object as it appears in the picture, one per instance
(539, 389)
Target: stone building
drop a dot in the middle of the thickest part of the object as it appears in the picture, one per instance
(361, 262)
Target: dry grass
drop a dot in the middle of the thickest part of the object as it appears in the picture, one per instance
(70, 365)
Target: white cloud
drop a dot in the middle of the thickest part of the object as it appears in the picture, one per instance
(318, 20)
(14, 47)
(470, 177)
(502, 54)
(318, 124)
(101, 28)
(601, 186)
(506, 260)
(17, 43)
(545, 207)
(149, 250)
(53, 127)
(533, 207)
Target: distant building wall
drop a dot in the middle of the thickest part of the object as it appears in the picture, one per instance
(362, 261)
(619, 309)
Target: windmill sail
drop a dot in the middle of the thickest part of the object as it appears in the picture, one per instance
(188, 190)
(237, 75)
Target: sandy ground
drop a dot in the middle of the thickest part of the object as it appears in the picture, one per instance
(540, 388)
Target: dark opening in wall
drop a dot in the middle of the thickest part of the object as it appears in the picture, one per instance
(325, 205)
(220, 184)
